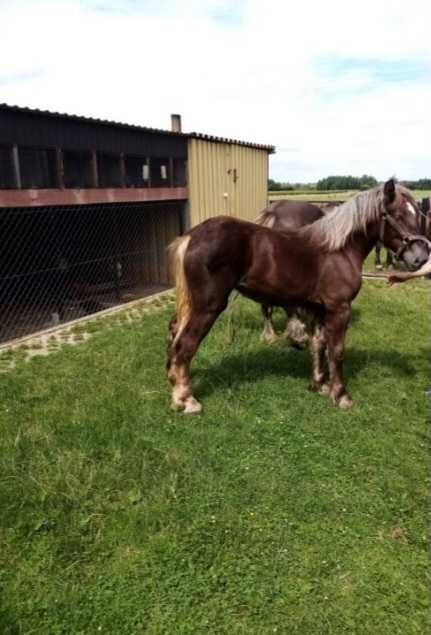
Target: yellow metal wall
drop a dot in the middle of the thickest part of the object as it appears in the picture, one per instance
(211, 175)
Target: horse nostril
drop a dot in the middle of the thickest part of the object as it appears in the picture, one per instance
(418, 262)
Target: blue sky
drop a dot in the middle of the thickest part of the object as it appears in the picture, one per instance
(338, 88)
(371, 74)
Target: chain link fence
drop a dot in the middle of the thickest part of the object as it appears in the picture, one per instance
(61, 263)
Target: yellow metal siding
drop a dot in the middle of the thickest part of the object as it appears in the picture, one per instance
(211, 175)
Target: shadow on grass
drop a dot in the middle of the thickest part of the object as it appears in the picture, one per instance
(237, 368)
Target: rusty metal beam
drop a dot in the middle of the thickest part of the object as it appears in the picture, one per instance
(39, 198)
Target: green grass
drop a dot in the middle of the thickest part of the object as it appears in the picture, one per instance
(270, 512)
(317, 195)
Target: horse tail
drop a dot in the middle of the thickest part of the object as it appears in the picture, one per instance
(267, 217)
(177, 251)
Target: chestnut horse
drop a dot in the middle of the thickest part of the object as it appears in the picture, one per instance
(287, 216)
(317, 267)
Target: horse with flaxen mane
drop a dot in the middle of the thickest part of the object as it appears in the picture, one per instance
(317, 267)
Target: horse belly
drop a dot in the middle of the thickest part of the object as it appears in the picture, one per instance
(280, 293)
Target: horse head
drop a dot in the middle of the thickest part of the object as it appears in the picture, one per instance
(400, 228)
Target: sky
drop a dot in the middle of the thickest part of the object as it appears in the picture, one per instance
(339, 87)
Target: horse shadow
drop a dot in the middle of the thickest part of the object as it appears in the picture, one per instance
(237, 368)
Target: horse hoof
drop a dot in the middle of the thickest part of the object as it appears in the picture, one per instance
(177, 407)
(269, 339)
(192, 406)
(324, 389)
(299, 346)
(345, 402)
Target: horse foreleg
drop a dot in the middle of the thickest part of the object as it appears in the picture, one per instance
(180, 354)
(378, 262)
(336, 322)
(268, 334)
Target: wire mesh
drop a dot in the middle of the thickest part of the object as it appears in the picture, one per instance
(61, 263)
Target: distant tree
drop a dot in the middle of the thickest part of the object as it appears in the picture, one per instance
(419, 184)
(366, 182)
(348, 182)
(275, 186)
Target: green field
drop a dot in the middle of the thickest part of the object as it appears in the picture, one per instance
(272, 512)
(317, 195)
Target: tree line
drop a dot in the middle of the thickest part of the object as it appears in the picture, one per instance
(364, 182)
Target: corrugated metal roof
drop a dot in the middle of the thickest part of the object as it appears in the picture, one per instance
(107, 122)
(207, 137)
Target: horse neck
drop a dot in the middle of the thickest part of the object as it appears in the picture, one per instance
(364, 243)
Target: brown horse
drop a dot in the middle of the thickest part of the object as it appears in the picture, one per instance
(287, 216)
(317, 267)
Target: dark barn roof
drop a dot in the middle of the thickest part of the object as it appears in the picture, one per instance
(29, 127)
(78, 136)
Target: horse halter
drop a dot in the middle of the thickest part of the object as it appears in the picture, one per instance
(406, 238)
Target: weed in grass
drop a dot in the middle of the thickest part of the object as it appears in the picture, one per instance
(36, 345)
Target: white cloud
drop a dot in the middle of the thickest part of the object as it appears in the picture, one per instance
(241, 69)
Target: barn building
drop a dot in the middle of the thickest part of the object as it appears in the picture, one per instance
(87, 208)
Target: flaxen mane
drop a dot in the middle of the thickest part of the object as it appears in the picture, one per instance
(334, 230)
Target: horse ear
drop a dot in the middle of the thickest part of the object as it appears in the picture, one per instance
(389, 191)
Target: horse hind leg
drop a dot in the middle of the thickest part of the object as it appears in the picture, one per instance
(297, 330)
(319, 382)
(180, 355)
(268, 334)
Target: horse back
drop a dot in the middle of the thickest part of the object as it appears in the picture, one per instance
(289, 215)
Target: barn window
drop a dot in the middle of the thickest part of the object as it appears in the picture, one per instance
(159, 172)
(180, 173)
(77, 169)
(7, 180)
(38, 167)
(109, 170)
(136, 171)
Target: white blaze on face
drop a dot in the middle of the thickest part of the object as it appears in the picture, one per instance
(411, 208)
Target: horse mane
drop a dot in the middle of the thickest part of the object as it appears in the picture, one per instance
(333, 230)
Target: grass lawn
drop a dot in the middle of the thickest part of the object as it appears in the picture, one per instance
(272, 512)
